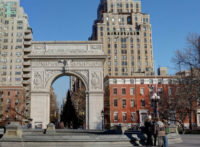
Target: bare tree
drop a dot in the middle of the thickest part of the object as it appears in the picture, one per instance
(188, 62)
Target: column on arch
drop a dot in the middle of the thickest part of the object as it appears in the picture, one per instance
(40, 109)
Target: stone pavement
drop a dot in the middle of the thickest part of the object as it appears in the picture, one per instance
(188, 141)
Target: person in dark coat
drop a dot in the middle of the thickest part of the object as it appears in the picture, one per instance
(155, 131)
(149, 131)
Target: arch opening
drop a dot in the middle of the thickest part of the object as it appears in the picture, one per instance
(70, 92)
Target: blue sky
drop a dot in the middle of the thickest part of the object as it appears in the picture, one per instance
(172, 21)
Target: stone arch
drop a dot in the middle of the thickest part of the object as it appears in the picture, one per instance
(49, 60)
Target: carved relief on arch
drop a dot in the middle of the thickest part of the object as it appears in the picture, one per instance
(38, 79)
(49, 74)
(96, 80)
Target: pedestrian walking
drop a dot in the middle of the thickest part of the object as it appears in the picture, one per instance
(155, 131)
(161, 133)
(165, 139)
(149, 131)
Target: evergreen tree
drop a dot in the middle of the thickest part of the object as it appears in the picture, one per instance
(68, 115)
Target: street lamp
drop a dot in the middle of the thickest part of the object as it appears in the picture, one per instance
(155, 98)
(102, 115)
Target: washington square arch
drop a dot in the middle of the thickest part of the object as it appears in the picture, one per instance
(50, 60)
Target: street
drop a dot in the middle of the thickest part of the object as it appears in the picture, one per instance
(188, 141)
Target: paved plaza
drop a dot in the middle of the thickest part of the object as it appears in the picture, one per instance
(188, 141)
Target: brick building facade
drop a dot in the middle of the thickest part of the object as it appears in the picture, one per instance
(127, 100)
(12, 106)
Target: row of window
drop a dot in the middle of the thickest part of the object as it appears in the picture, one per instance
(132, 103)
(5, 67)
(124, 116)
(8, 93)
(4, 73)
(18, 27)
(5, 60)
(4, 79)
(17, 40)
(19, 22)
(16, 47)
(150, 81)
(142, 90)
(4, 54)
(19, 34)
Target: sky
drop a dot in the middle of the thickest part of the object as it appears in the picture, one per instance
(58, 20)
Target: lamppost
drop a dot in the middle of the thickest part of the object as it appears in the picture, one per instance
(155, 98)
(102, 115)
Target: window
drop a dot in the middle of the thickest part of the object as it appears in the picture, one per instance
(18, 47)
(18, 54)
(124, 115)
(18, 60)
(16, 101)
(151, 89)
(132, 103)
(178, 91)
(4, 67)
(115, 116)
(115, 103)
(143, 103)
(132, 81)
(132, 116)
(160, 81)
(18, 67)
(8, 101)
(132, 91)
(124, 103)
(4, 73)
(19, 28)
(5, 40)
(170, 91)
(7, 22)
(160, 90)
(142, 91)
(142, 81)
(17, 73)
(19, 22)
(4, 54)
(115, 91)
(123, 91)
(151, 81)
(129, 20)
(17, 79)
(19, 34)
(19, 40)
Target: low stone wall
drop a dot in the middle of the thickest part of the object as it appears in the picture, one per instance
(16, 137)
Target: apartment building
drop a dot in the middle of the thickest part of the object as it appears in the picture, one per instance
(126, 35)
(13, 27)
(127, 100)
